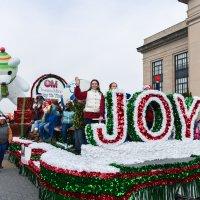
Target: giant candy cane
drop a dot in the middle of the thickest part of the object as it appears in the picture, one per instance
(187, 116)
(115, 130)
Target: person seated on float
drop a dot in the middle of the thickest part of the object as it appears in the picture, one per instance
(38, 112)
(37, 123)
(113, 86)
(95, 104)
(5, 138)
(50, 118)
(54, 119)
(38, 108)
(67, 120)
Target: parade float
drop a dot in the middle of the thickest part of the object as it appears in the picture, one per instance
(159, 162)
(125, 158)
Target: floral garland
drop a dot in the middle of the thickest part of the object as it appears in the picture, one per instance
(114, 132)
(188, 114)
(141, 103)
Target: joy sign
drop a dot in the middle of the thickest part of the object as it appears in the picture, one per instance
(170, 112)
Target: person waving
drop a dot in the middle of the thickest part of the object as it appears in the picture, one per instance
(95, 103)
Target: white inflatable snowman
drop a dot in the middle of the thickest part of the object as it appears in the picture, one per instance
(11, 85)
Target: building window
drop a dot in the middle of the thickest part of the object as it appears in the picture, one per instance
(157, 75)
(181, 73)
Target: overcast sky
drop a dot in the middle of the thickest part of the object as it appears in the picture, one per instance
(85, 38)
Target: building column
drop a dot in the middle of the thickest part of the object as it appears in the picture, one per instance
(193, 22)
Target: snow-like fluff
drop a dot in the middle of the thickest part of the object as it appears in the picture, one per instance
(138, 152)
(42, 145)
(98, 159)
(36, 163)
(22, 141)
(66, 160)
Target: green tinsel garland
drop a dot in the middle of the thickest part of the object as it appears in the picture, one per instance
(153, 193)
(131, 169)
(189, 101)
(45, 194)
(13, 159)
(130, 117)
(114, 186)
(158, 117)
(35, 157)
(109, 115)
(90, 135)
(189, 190)
(109, 120)
(177, 121)
(14, 147)
(24, 170)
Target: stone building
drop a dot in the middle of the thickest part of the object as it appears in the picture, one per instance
(171, 58)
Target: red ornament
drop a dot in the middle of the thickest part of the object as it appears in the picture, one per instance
(157, 78)
(2, 49)
(140, 119)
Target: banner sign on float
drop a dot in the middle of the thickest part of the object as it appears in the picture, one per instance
(50, 86)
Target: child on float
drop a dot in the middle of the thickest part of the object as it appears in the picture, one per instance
(113, 87)
(67, 120)
(95, 104)
(5, 138)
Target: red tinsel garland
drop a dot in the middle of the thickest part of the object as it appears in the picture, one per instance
(160, 183)
(128, 194)
(140, 120)
(187, 119)
(119, 174)
(35, 169)
(15, 153)
(37, 151)
(20, 143)
(76, 194)
(120, 122)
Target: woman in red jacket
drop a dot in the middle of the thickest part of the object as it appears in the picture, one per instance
(95, 103)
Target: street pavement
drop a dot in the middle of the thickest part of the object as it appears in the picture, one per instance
(14, 186)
